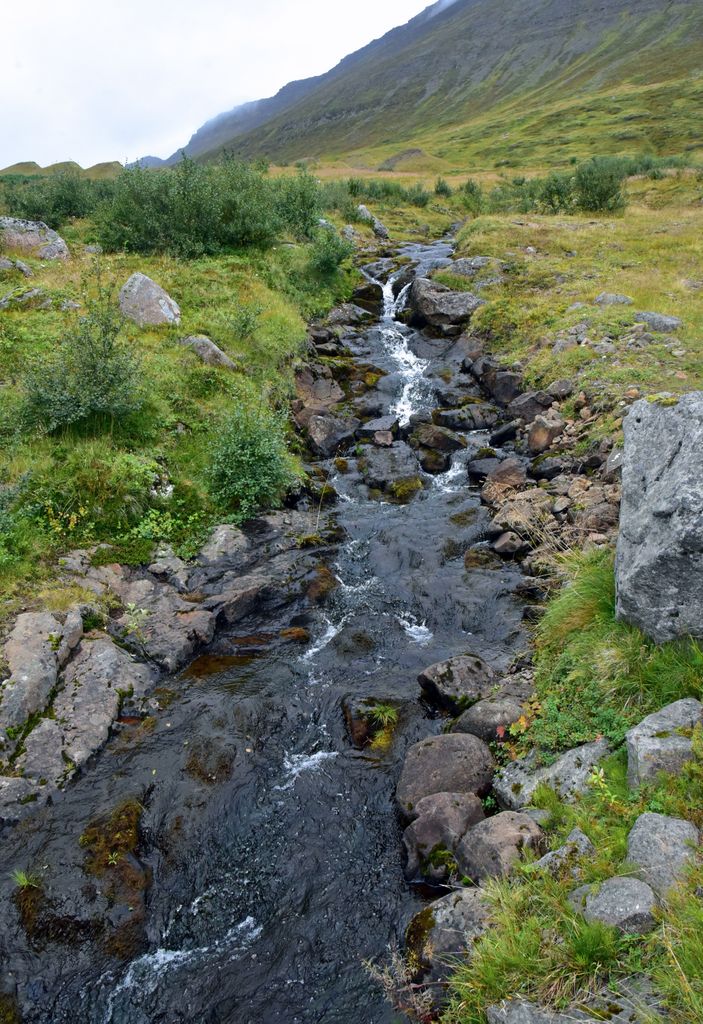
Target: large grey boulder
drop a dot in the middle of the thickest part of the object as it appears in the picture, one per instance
(659, 322)
(146, 303)
(34, 237)
(455, 763)
(627, 904)
(435, 304)
(491, 848)
(381, 468)
(489, 719)
(661, 848)
(208, 352)
(89, 701)
(568, 776)
(327, 433)
(36, 649)
(662, 742)
(458, 682)
(659, 564)
(444, 931)
(442, 821)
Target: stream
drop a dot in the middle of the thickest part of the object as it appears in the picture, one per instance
(273, 885)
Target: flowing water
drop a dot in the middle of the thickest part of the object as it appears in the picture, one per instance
(273, 885)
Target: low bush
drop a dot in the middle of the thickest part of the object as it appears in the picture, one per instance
(54, 199)
(443, 188)
(329, 251)
(250, 468)
(598, 187)
(93, 377)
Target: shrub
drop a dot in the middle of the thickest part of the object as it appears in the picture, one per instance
(472, 197)
(299, 204)
(250, 467)
(598, 187)
(329, 252)
(443, 188)
(93, 376)
(55, 199)
(557, 195)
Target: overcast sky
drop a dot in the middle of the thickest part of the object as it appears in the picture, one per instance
(94, 80)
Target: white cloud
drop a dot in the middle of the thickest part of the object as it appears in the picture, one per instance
(94, 80)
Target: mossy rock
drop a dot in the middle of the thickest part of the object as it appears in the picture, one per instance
(405, 489)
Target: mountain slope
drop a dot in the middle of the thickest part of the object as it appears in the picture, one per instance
(496, 81)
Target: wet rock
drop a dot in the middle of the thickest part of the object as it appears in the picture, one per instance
(361, 723)
(440, 823)
(480, 469)
(369, 296)
(661, 848)
(146, 303)
(328, 433)
(491, 848)
(624, 903)
(16, 795)
(381, 468)
(662, 742)
(89, 701)
(529, 405)
(612, 299)
(226, 544)
(659, 322)
(509, 544)
(577, 845)
(34, 653)
(458, 682)
(170, 628)
(429, 435)
(349, 313)
(34, 237)
(542, 432)
(508, 432)
(381, 424)
(489, 719)
(660, 554)
(435, 304)
(208, 352)
(509, 475)
(446, 930)
(568, 776)
(474, 416)
(452, 763)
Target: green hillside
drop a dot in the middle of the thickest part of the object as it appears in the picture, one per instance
(28, 168)
(488, 83)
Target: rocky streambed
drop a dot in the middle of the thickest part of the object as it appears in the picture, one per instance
(206, 806)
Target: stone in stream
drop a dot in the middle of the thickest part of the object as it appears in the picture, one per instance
(458, 682)
(34, 237)
(659, 564)
(380, 424)
(388, 469)
(627, 904)
(473, 416)
(429, 435)
(433, 303)
(441, 821)
(515, 786)
(433, 461)
(443, 932)
(661, 848)
(662, 742)
(146, 303)
(450, 763)
(491, 848)
(349, 314)
(328, 433)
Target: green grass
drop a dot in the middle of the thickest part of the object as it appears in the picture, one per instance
(596, 676)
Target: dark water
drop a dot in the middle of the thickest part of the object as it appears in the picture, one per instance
(272, 885)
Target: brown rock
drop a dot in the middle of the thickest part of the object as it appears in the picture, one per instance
(491, 848)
